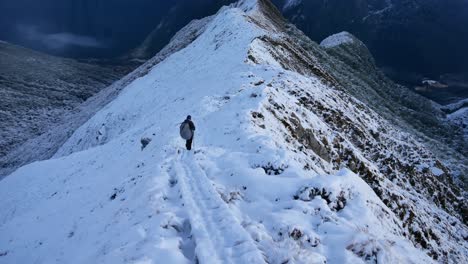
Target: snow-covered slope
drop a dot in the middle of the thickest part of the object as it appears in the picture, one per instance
(271, 178)
(46, 145)
(457, 114)
(460, 118)
(36, 90)
(352, 65)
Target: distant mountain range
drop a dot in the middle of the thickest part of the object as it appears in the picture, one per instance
(428, 36)
(410, 39)
(38, 92)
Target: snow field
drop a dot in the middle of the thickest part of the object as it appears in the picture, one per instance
(219, 236)
(243, 196)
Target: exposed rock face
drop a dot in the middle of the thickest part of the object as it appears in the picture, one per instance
(306, 137)
(396, 140)
(354, 67)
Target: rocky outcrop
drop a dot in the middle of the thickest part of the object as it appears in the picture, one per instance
(357, 118)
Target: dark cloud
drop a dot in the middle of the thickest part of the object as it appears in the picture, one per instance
(96, 28)
(59, 40)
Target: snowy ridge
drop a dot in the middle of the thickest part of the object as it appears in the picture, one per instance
(47, 144)
(267, 181)
(163, 79)
(337, 39)
(375, 156)
(247, 5)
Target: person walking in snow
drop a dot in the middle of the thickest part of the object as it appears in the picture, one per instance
(187, 131)
(101, 136)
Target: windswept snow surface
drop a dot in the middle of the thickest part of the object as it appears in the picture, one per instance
(337, 39)
(241, 197)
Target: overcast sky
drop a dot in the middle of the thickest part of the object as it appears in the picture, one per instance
(113, 26)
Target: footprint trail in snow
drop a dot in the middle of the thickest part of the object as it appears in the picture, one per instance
(219, 236)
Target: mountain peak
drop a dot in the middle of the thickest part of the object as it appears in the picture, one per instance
(247, 5)
(338, 39)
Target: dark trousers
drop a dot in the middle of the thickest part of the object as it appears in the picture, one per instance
(188, 144)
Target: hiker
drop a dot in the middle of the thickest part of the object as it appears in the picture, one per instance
(102, 134)
(187, 131)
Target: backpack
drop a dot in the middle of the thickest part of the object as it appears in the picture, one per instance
(185, 131)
